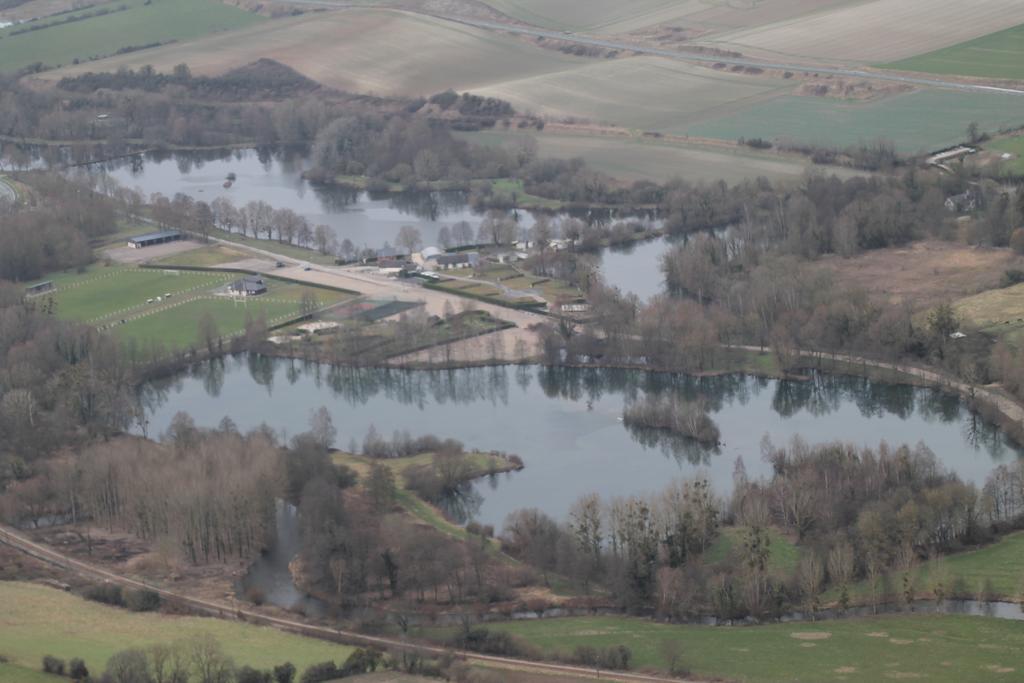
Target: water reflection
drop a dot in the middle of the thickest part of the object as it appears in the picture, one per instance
(566, 422)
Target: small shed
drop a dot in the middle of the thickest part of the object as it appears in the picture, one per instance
(39, 288)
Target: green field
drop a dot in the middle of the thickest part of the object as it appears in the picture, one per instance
(1013, 145)
(999, 312)
(924, 120)
(941, 649)
(38, 620)
(119, 291)
(106, 296)
(997, 55)
(142, 23)
(782, 561)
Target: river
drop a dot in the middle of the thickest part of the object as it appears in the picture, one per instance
(566, 424)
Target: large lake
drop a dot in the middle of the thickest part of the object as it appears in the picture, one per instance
(368, 219)
(566, 424)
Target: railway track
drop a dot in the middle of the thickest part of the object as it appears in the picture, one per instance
(221, 610)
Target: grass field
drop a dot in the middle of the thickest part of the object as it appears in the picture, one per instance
(38, 620)
(104, 292)
(781, 562)
(998, 312)
(142, 23)
(923, 120)
(1012, 145)
(941, 649)
(997, 55)
(105, 296)
(876, 30)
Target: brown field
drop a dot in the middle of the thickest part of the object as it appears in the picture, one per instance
(615, 16)
(925, 273)
(34, 9)
(876, 31)
(361, 50)
(646, 93)
(631, 157)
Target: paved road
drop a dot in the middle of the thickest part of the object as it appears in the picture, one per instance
(696, 57)
(225, 610)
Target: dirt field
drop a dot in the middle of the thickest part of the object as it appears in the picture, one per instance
(926, 273)
(647, 93)
(876, 31)
(370, 51)
(131, 255)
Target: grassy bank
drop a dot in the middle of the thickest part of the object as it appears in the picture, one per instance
(38, 620)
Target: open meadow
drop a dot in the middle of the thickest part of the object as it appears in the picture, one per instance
(997, 55)
(38, 620)
(999, 312)
(1014, 146)
(874, 31)
(942, 649)
(133, 303)
(107, 28)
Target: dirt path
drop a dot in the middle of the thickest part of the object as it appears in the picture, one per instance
(224, 610)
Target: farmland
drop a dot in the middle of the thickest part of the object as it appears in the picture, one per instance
(363, 50)
(609, 16)
(649, 93)
(632, 157)
(875, 31)
(94, 632)
(85, 35)
(998, 55)
(107, 296)
(916, 121)
(936, 648)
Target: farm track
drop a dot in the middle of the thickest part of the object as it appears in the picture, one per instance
(223, 610)
(692, 57)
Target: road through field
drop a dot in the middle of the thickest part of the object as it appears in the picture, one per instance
(224, 610)
(695, 57)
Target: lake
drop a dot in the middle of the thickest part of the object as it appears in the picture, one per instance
(566, 423)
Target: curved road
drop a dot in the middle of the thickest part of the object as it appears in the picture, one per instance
(19, 542)
(7, 192)
(696, 57)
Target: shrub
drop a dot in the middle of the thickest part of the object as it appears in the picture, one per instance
(247, 674)
(613, 658)
(53, 665)
(142, 600)
(107, 593)
(77, 670)
(488, 642)
(324, 671)
(284, 673)
(1013, 276)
